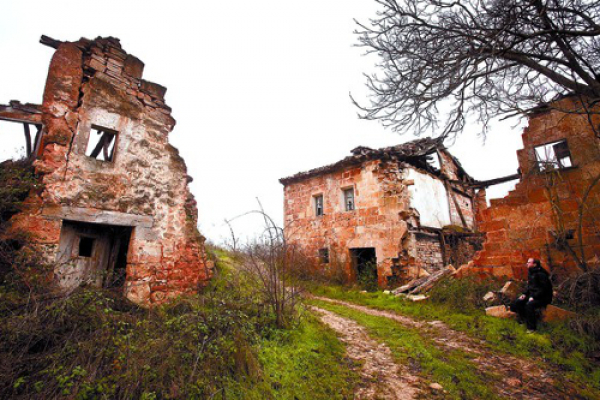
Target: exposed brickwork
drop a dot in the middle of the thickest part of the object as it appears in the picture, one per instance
(385, 184)
(429, 254)
(546, 205)
(97, 84)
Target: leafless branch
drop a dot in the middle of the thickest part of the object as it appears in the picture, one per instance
(481, 58)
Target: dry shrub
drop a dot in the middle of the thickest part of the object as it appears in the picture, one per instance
(587, 324)
(310, 269)
(271, 265)
(464, 294)
(581, 291)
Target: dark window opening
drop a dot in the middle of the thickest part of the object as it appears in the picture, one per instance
(101, 144)
(553, 156)
(86, 246)
(324, 255)
(364, 262)
(319, 205)
(349, 199)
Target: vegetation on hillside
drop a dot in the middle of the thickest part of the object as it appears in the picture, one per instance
(224, 343)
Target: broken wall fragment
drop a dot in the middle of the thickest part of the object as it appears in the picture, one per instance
(115, 194)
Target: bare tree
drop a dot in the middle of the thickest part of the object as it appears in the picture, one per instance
(485, 58)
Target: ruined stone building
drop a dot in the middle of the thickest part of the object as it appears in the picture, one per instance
(554, 211)
(384, 207)
(113, 207)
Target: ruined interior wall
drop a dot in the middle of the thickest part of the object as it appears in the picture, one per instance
(97, 83)
(521, 225)
(380, 196)
(465, 205)
(428, 252)
(429, 197)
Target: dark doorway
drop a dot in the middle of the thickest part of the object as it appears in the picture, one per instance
(94, 254)
(364, 262)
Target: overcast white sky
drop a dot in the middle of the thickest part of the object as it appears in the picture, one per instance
(259, 90)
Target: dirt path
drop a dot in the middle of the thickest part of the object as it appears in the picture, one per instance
(381, 377)
(521, 379)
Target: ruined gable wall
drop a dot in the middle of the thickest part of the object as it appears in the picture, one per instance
(380, 196)
(97, 83)
(520, 225)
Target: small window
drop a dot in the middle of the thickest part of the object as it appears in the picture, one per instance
(349, 199)
(101, 144)
(551, 156)
(319, 205)
(324, 255)
(86, 245)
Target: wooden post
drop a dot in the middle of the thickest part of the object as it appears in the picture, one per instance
(27, 139)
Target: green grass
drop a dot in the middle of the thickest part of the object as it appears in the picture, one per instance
(452, 369)
(304, 363)
(555, 342)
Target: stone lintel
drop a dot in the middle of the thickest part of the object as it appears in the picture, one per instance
(97, 216)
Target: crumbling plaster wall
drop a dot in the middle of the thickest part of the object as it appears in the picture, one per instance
(429, 197)
(145, 186)
(525, 223)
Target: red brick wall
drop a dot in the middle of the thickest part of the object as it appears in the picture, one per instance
(521, 225)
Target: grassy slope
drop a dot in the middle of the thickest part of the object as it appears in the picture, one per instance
(304, 363)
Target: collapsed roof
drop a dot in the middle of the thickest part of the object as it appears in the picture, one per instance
(416, 153)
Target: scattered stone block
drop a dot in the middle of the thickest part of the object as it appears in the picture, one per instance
(510, 290)
(553, 314)
(549, 314)
(500, 312)
(490, 298)
(417, 298)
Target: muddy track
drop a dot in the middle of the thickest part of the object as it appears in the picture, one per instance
(381, 377)
(520, 379)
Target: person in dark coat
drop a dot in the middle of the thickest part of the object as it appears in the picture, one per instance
(538, 294)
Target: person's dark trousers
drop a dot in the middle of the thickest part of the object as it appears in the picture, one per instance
(528, 311)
